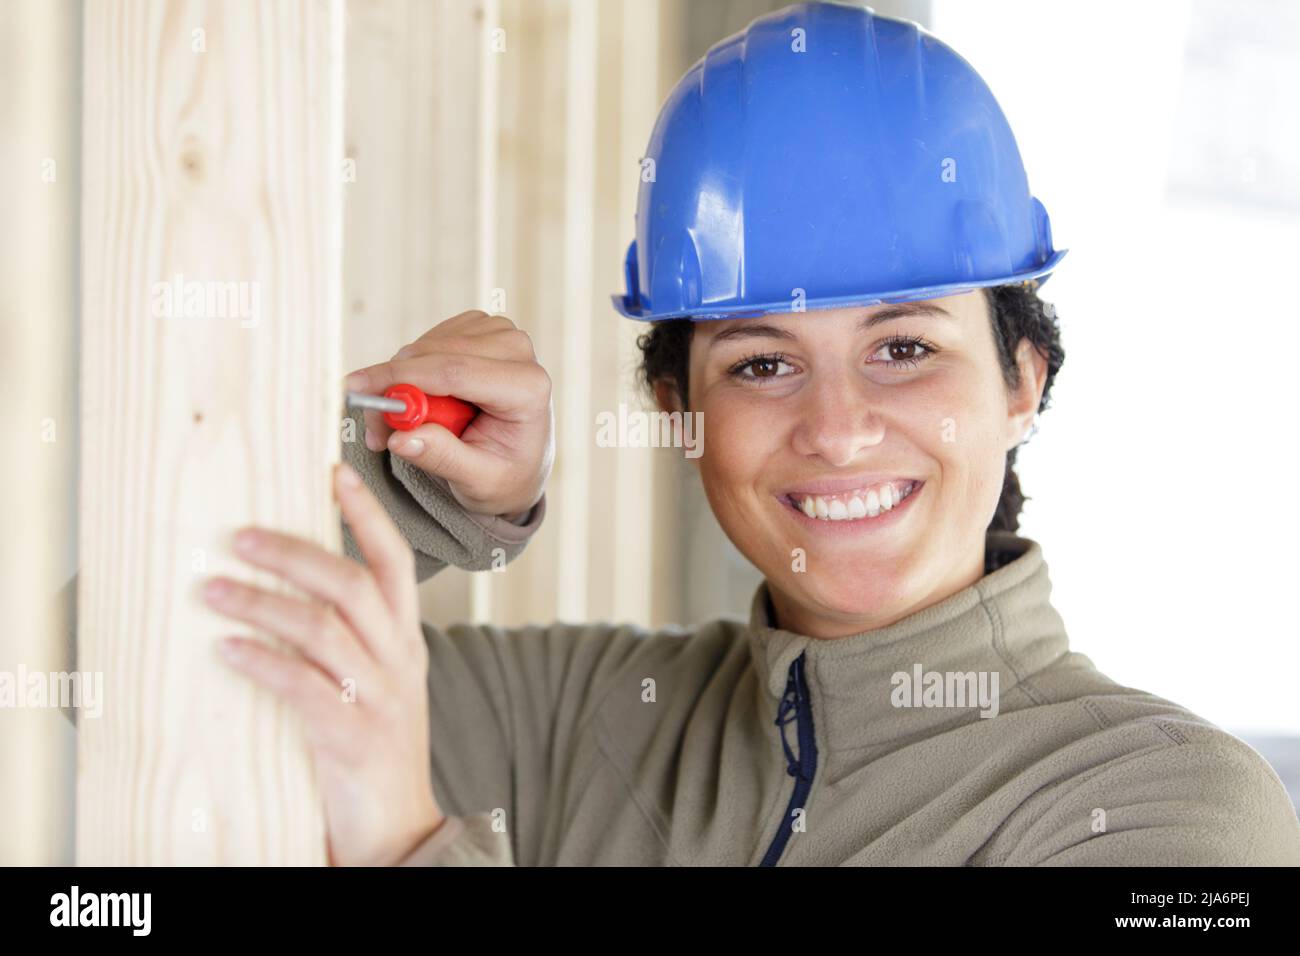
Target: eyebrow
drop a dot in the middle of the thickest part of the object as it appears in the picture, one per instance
(896, 311)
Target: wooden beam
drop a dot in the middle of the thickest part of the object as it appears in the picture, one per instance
(211, 256)
(39, 93)
(418, 245)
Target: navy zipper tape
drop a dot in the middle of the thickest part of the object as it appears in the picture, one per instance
(803, 767)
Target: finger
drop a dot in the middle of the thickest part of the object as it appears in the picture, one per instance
(474, 322)
(376, 430)
(473, 332)
(512, 391)
(469, 322)
(387, 553)
(326, 711)
(334, 579)
(434, 449)
(314, 629)
(468, 325)
(513, 345)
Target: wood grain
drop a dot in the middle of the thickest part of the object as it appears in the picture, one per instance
(221, 165)
(39, 98)
(415, 247)
(482, 168)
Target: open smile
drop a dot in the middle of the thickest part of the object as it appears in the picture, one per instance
(870, 506)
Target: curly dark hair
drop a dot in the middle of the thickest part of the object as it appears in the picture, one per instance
(1017, 312)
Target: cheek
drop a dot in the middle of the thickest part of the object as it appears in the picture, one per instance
(937, 418)
(741, 440)
(738, 440)
(965, 436)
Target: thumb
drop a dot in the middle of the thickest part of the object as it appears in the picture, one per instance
(435, 450)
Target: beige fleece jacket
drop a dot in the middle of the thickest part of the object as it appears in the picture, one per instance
(610, 743)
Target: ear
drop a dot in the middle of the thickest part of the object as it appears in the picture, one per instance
(666, 396)
(1023, 403)
(669, 401)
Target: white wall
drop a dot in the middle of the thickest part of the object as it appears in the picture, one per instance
(1163, 143)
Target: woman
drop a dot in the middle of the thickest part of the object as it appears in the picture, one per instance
(903, 691)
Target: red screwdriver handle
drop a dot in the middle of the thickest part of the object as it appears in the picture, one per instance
(451, 413)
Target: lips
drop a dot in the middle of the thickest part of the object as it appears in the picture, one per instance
(828, 487)
(859, 508)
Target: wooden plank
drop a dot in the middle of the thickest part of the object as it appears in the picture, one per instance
(39, 91)
(580, 89)
(416, 249)
(530, 189)
(506, 163)
(639, 538)
(212, 151)
(574, 414)
(486, 69)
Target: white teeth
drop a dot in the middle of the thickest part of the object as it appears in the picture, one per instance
(875, 502)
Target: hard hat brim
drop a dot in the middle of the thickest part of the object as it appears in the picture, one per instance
(749, 310)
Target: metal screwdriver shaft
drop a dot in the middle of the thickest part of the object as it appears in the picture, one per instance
(375, 403)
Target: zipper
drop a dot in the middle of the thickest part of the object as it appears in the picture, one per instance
(796, 705)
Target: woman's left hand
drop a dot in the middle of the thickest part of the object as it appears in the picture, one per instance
(359, 677)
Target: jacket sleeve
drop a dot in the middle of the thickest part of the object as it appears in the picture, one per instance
(439, 530)
(1209, 800)
(466, 699)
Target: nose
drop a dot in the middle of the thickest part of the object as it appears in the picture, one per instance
(838, 418)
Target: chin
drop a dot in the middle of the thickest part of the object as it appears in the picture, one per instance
(857, 594)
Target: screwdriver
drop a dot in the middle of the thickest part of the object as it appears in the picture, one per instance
(406, 407)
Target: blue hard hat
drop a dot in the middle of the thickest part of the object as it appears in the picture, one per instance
(829, 156)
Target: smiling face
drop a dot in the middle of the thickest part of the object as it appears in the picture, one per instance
(865, 444)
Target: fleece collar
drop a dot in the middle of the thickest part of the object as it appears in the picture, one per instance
(1003, 625)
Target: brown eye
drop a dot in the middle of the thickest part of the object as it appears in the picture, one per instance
(760, 367)
(903, 351)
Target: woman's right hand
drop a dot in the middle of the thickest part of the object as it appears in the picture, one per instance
(500, 464)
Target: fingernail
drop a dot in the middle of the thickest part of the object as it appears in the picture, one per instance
(216, 589)
(373, 442)
(410, 448)
(404, 352)
(347, 477)
(247, 541)
(231, 648)
(357, 382)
